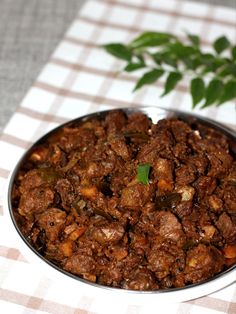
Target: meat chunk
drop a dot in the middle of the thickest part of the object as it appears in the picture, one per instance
(202, 262)
(38, 177)
(231, 178)
(160, 262)
(135, 196)
(198, 162)
(74, 138)
(230, 199)
(119, 146)
(180, 130)
(165, 259)
(205, 186)
(52, 222)
(138, 122)
(32, 179)
(140, 279)
(168, 227)
(160, 145)
(226, 227)
(117, 252)
(36, 200)
(185, 175)
(220, 162)
(107, 233)
(80, 264)
(181, 151)
(110, 274)
(66, 192)
(115, 121)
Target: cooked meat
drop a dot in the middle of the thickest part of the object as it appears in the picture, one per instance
(126, 203)
(52, 221)
(35, 200)
(140, 279)
(185, 175)
(168, 227)
(227, 228)
(136, 195)
(66, 192)
(107, 233)
(230, 199)
(80, 264)
(119, 146)
(201, 262)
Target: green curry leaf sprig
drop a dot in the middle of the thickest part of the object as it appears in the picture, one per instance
(211, 76)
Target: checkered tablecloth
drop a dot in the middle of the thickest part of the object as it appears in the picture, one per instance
(81, 78)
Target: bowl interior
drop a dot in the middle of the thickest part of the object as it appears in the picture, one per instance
(155, 114)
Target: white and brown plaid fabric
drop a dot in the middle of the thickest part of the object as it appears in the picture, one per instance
(81, 78)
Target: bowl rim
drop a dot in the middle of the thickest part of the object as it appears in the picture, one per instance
(164, 113)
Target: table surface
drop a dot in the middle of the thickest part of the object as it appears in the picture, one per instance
(78, 79)
(29, 32)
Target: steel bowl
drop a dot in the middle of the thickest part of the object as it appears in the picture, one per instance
(189, 292)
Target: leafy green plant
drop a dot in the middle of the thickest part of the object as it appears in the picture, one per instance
(211, 76)
(143, 173)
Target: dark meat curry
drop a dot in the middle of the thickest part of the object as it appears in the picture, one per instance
(126, 203)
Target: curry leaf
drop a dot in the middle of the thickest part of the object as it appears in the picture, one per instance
(149, 78)
(213, 92)
(118, 50)
(197, 90)
(166, 57)
(234, 53)
(172, 80)
(164, 54)
(150, 39)
(130, 67)
(195, 40)
(180, 50)
(220, 44)
(229, 92)
(143, 173)
(228, 70)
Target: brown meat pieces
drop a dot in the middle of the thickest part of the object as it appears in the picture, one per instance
(168, 227)
(202, 262)
(205, 186)
(180, 130)
(185, 175)
(119, 146)
(80, 264)
(76, 138)
(66, 192)
(140, 279)
(135, 196)
(230, 199)
(35, 201)
(79, 200)
(115, 121)
(138, 122)
(220, 162)
(227, 227)
(32, 179)
(107, 233)
(165, 260)
(52, 222)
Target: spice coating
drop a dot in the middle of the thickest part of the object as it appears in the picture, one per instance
(80, 200)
